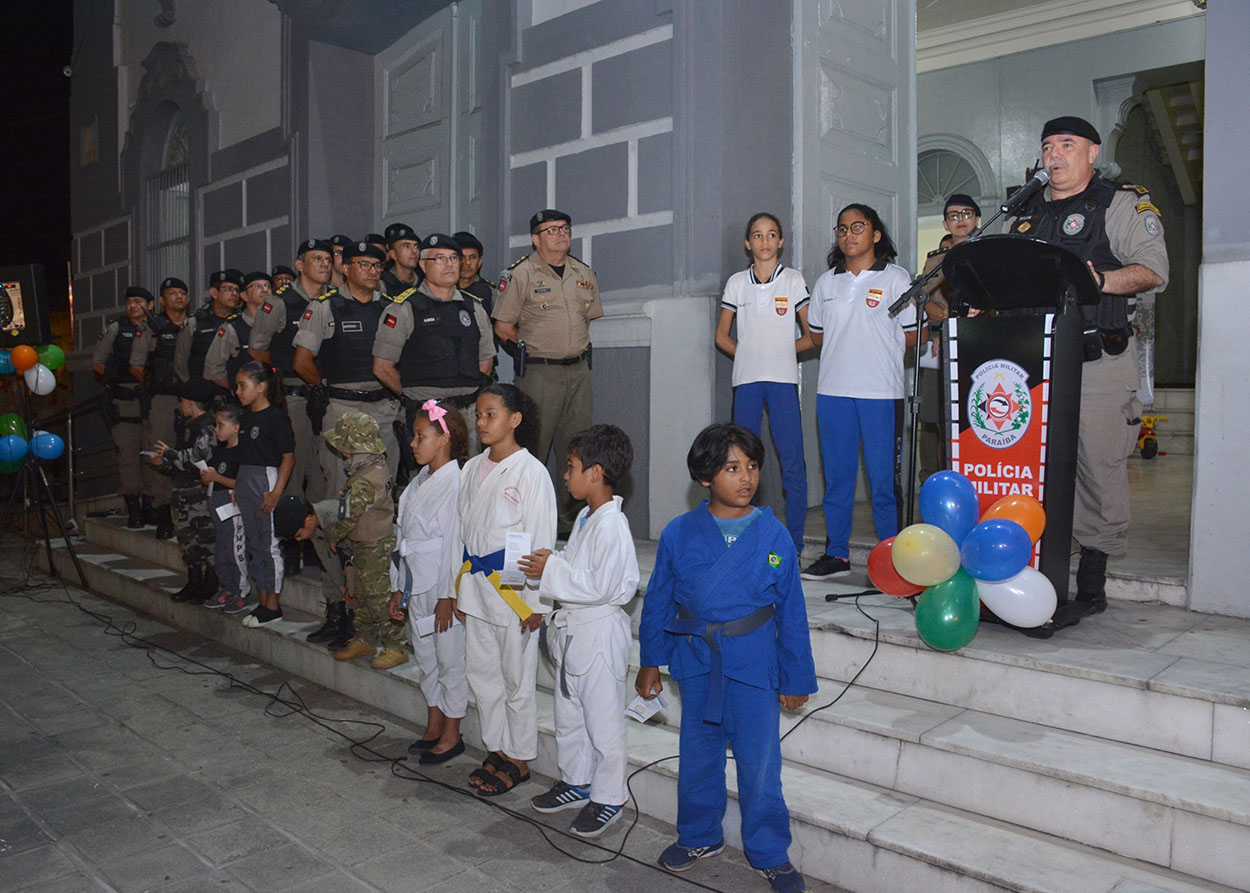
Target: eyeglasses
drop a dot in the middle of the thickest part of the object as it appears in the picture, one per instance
(965, 214)
(857, 227)
(367, 264)
(560, 229)
(446, 260)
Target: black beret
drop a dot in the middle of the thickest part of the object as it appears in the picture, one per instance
(962, 200)
(201, 391)
(468, 241)
(174, 282)
(547, 216)
(1073, 125)
(283, 270)
(340, 241)
(138, 291)
(222, 276)
(362, 249)
(375, 238)
(440, 240)
(258, 276)
(314, 245)
(288, 516)
(397, 231)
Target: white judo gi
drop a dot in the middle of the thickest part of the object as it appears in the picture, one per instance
(501, 661)
(593, 578)
(425, 522)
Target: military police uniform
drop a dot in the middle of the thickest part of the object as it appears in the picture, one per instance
(197, 336)
(227, 352)
(552, 312)
(339, 330)
(392, 285)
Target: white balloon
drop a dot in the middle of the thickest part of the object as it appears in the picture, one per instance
(39, 379)
(1026, 600)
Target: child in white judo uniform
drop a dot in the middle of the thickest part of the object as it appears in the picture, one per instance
(503, 490)
(593, 578)
(419, 577)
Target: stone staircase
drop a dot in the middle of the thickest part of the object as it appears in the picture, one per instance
(1115, 756)
(1176, 435)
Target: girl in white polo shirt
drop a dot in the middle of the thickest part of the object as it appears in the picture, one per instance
(859, 389)
(769, 301)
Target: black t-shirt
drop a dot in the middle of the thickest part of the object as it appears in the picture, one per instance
(264, 437)
(225, 459)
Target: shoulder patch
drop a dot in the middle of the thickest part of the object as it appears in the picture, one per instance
(404, 295)
(1140, 190)
(1147, 206)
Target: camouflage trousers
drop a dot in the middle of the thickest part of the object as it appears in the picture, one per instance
(193, 526)
(373, 570)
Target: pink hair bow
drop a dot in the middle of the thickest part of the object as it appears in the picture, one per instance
(435, 412)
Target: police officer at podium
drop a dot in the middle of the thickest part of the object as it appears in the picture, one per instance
(1115, 229)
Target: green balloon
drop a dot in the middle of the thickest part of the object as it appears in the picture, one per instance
(51, 356)
(947, 614)
(9, 466)
(12, 423)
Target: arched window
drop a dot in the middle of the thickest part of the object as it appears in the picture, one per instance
(167, 195)
(939, 173)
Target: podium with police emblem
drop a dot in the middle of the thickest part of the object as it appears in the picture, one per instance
(1013, 379)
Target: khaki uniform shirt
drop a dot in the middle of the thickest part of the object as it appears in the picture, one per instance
(552, 313)
(224, 348)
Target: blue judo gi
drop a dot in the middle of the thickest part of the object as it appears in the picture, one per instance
(699, 582)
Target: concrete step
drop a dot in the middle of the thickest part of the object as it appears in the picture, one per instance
(1173, 400)
(859, 835)
(1179, 443)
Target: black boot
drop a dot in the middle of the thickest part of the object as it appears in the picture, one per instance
(208, 585)
(347, 631)
(336, 615)
(195, 580)
(1091, 580)
(164, 523)
(150, 517)
(292, 550)
(134, 512)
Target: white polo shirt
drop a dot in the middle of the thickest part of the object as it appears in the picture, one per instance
(767, 324)
(862, 352)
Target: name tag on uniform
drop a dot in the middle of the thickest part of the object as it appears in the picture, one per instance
(541, 291)
(352, 325)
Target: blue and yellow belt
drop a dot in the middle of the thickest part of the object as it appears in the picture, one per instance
(489, 567)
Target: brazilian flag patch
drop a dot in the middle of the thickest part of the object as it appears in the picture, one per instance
(774, 560)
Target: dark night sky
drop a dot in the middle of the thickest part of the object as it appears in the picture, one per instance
(36, 43)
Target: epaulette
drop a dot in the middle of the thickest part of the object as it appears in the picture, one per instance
(1140, 190)
(469, 294)
(516, 263)
(328, 293)
(936, 251)
(280, 291)
(404, 295)
(488, 282)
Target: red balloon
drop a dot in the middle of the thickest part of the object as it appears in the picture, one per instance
(883, 575)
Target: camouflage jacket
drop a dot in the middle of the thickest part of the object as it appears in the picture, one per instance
(366, 509)
(196, 441)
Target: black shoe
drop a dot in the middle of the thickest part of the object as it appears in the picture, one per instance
(134, 512)
(826, 567)
(1091, 581)
(150, 518)
(347, 632)
(336, 613)
(430, 758)
(195, 581)
(164, 523)
(208, 586)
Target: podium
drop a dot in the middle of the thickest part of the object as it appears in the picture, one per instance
(1013, 379)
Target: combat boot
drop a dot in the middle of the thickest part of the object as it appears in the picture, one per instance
(164, 523)
(1091, 580)
(208, 585)
(347, 632)
(195, 580)
(336, 615)
(150, 518)
(134, 512)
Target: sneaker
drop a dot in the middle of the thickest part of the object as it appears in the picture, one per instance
(217, 601)
(235, 604)
(679, 858)
(785, 878)
(826, 567)
(594, 819)
(561, 796)
(261, 616)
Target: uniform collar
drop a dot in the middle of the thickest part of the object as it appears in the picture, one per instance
(877, 267)
(772, 278)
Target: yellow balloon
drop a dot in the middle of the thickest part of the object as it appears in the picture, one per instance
(925, 555)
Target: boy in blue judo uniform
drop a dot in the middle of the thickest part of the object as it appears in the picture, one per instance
(724, 610)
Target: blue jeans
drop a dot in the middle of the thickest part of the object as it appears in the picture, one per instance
(786, 424)
(843, 422)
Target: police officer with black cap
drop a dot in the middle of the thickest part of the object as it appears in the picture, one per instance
(281, 276)
(231, 349)
(152, 362)
(339, 243)
(403, 247)
(111, 361)
(546, 302)
(273, 342)
(334, 345)
(471, 279)
(1115, 229)
(195, 338)
(435, 342)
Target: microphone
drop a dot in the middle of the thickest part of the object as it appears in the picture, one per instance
(1027, 191)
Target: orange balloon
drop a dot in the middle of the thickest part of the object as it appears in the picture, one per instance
(23, 357)
(1024, 510)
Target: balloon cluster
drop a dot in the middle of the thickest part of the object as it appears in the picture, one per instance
(38, 367)
(961, 557)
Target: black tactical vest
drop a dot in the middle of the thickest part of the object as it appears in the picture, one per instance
(206, 324)
(117, 369)
(348, 354)
(441, 352)
(281, 345)
(236, 362)
(160, 369)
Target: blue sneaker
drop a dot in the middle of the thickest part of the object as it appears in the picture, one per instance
(679, 858)
(561, 796)
(594, 819)
(785, 878)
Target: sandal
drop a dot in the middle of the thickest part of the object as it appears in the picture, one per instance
(479, 777)
(501, 785)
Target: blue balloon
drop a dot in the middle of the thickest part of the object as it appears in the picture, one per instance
(47, 446)
(996, 550)
(6, 363)
(12, 448)
(949, 501)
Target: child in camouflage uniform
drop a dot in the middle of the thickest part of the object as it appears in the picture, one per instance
(365, 528)
(192, 523)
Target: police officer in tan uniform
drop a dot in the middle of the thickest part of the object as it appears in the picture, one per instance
(546, 302)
